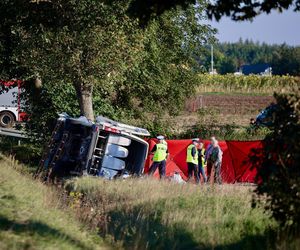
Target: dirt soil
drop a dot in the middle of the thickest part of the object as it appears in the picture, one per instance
(223, 109)
(229, 104)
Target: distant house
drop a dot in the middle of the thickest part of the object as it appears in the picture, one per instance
(257, 69)
(213, 72)
(238, 73)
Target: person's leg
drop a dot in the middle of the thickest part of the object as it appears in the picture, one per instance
(162, 169)
(190, 171)
(202, 172)
(199, 171)
(212, 174)
(153, 168)
(218, 173)
(209, 166)
(195, 169)
(215, 173)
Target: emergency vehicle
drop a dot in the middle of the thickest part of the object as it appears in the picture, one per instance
(10, 103)
(106, 148)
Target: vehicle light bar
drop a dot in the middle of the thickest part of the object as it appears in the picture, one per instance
(121, 127)
(111, 129)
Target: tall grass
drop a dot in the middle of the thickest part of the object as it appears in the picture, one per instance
(131, 214)
(251, 84)
(31, 216)
(150, 214)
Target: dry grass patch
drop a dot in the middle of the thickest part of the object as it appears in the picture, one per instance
(146, 213)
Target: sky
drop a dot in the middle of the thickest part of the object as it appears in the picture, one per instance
(275, 28)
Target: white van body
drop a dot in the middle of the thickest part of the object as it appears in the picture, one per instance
(106, 148)
(9, 111)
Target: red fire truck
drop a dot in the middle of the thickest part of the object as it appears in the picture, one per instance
(10, 103)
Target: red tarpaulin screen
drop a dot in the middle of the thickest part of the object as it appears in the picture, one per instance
(235, 164)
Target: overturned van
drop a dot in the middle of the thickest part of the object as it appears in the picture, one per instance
(105, 148)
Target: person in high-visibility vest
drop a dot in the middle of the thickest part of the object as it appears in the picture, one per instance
(192, 160)
(201, 162)
(160, 151)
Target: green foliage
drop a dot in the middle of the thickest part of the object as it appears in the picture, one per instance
(159, 127)
(230, 57)
(92, 46)
(25, 152)
(80, 48)
(286, 60)
(147, 10)
(244, 9)
(278, 163)
(252, 84)
(44, 105)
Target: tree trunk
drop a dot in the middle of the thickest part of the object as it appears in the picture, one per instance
(85, 97)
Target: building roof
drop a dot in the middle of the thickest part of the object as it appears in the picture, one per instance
(255, 68)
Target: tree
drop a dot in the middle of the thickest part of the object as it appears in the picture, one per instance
(86, 43)
(147, 10)
(245, 9)
(77, 48)
(42, 30)
(78, 42)
(278, 163)
(237, 9)
(227, 65)
(166, 73)
(229, 57)
(286, 60)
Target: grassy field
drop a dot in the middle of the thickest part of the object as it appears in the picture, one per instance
(130, 214)
(150, 214)
(31, 216)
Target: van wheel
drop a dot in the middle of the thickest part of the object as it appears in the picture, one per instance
(7, 119)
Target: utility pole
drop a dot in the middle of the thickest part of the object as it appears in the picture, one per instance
(212, 58)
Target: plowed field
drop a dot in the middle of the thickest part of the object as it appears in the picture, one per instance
(229, 104)
(220, 109)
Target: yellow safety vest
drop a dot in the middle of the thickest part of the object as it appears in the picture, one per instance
(203, 157)
(160, 153)
(189, 157)
(164, 142)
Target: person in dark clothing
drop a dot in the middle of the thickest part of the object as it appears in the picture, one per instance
(192, 160)
(160, 151)
(208, 152)
(216, 160)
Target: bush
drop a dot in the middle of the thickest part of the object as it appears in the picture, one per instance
(278, 163)
(25, 152)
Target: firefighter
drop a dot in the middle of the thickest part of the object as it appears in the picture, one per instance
(160, 151)
(192, 160)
